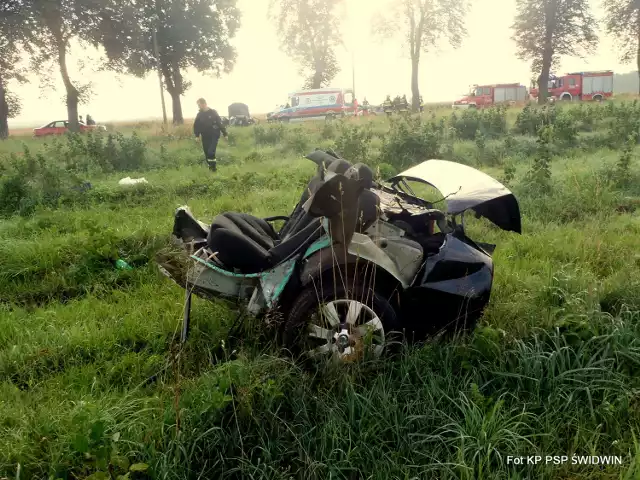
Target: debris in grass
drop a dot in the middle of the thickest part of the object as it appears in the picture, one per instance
(132, 181)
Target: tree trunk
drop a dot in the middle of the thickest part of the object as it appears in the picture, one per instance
(176, 105)
(4, 112)
(178, 84)
(317, 79)
(543, 79)
(550, 12)
(415, 89)
(72, 92)
(175, 92)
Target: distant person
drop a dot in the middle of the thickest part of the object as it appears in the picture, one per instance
(287, 105)
(208, 125)
(388, 105)
(80, 118)
(90, 120)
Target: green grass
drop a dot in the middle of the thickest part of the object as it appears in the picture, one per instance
(87, 381)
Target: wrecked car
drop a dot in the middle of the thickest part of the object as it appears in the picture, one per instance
(358, 262)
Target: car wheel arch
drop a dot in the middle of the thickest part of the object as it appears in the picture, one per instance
(319, 267)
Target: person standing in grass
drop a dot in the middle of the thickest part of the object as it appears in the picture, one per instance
(208, 126)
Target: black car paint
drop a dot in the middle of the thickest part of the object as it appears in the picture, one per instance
(452, 287)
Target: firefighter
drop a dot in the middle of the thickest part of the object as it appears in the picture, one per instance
(421, 104)
(208, 125)
(365, 107)
(387, 106)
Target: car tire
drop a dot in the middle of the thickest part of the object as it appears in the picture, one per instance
(374, 309)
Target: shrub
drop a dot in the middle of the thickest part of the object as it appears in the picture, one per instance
(491, 123)
(32, 181)
(84, 153)
(131, 154)
(353, 142)
(625, 124)
(539, 176)
(297, 140)
(328, 131)
(409, 142)
(269, 135)
(531, 119)
(466, 125)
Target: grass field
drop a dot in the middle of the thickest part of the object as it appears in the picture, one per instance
(88, 388)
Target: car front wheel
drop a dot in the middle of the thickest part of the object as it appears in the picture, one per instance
(330, 324)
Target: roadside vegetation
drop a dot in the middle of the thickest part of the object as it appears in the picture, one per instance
(91, 385)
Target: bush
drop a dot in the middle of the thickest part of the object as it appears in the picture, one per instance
(539, 176)
(32, 181)
(269, 135)
(531, 119)
(92, 151)
(410, 142)
(328, 131)
(490, 123)
(297, 140)
(625, 124)
(353, 142)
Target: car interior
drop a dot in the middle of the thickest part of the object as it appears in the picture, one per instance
(247, 244)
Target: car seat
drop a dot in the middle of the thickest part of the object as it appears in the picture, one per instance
(250, 244)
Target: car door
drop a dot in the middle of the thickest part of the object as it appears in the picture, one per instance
(46, 130)
(59, 127)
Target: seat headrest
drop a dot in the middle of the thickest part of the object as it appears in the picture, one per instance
(361, 172)
(339, 166)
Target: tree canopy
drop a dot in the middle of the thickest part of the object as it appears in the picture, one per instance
(189, 33)
(545, 30)
(622, 22)
(15, 28)
(422, 25)
(309, 33)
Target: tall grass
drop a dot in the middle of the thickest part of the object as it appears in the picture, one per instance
(93, 383)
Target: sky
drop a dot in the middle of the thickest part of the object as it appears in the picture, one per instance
(264, 75)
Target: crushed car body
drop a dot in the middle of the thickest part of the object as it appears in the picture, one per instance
(422, 272)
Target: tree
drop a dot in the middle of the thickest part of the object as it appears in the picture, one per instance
(189, 33)
(14, 30)
(309, 33)
(622, 21)
(58, 22)
(544, 30)
(423, 24)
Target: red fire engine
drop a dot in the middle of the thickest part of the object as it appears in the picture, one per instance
(487, 95)
(595, 86)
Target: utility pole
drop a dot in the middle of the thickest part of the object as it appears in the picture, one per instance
(155, 47)
(353, 73)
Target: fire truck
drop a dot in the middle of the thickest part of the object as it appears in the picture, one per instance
(596, 86)
(487, 95)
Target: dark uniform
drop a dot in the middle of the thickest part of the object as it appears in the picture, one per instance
(208, 126)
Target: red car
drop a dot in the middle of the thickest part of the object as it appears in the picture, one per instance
(60, 127)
